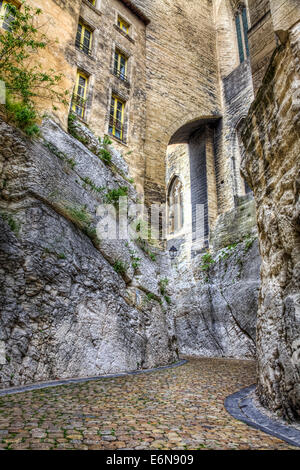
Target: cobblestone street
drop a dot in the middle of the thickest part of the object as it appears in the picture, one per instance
(176, 408)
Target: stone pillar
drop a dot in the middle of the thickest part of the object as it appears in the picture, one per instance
(211, 177)
(271, 165)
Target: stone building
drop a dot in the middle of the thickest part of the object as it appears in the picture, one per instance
(181, 89)
(164, 102)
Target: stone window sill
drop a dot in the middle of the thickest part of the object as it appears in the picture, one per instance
(124, 34)
(86, 2)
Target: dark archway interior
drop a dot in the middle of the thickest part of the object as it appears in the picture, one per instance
(184, 133)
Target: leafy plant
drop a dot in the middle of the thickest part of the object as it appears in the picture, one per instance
(163, 283)
(248, 244)
(105, 141)
(79, 215)
(120, 267)
(226, 252)
(88, 181)
(207, 261)
(150, 296)
(23, 115)
(113, 196)
(135, 260)
(144, 246)
(167, 299)
(71, 162)
(105, 156)
(25, 79)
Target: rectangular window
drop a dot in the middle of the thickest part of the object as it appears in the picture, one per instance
(239, 38)
(116, 118)
(93, 2)
(80, 93)
(120, 65)
(84, 38)
(7, 14)
(123, 25)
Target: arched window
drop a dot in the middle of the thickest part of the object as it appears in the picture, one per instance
(241, 23)
(175, 205)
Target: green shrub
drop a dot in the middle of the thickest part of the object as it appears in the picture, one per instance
(135, 260)
(248, 244)
(106, 141)
(144, 246)
(167, 299)
(79, 215)
(23, 115)
(120, 267)
(71, 162)
(207, 261)
(150, 296)
(105, 156)
(227, 251)
(89, 182)
(113, 196)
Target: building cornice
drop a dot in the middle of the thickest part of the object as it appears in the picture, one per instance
(131, 6)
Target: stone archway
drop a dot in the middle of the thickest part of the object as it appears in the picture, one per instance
(191, 156)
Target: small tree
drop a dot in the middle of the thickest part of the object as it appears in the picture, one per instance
(24, 77)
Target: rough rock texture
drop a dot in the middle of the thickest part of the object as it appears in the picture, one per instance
(271, 166)
(216, 303)
(235, 225)
(64, 310)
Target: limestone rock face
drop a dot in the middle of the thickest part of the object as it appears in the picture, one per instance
(216, 307)
(64, 310)
(271, 166)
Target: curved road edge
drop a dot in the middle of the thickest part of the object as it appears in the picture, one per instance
(240, 405)
(57, 383)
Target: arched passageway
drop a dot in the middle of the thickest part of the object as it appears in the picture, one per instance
(192, 156)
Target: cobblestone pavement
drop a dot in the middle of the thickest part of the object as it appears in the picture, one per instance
(177, 408)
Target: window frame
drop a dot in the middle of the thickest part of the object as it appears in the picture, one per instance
(242, 28)
(77, 97)
(113, 120)
(118, 55)
(79, 44)
(121, 22)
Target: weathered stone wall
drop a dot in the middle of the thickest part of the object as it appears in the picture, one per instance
(216, 303)
(238, 95)
(182, 77)
(270, 19)
(285, 13)
(64, 309)
(262, 39)
(235, 225)
(271, 166)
